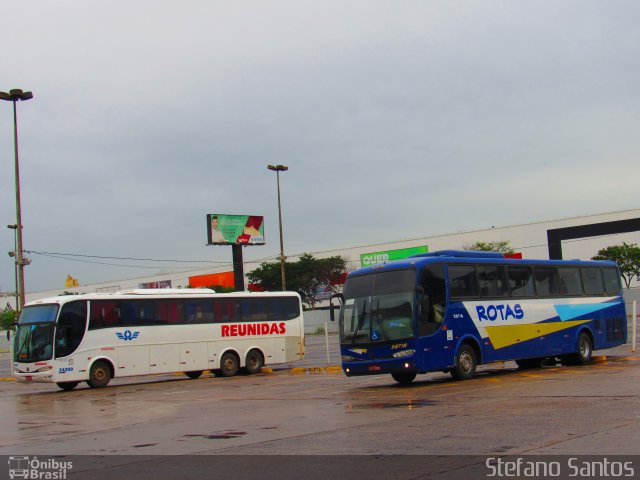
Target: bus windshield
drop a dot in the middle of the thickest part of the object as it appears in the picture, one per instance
(34, 334)
(378, 307)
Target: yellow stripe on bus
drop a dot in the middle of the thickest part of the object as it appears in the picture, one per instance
(507, 335)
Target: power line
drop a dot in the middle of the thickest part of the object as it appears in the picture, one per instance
(77, 257)
(119, 258)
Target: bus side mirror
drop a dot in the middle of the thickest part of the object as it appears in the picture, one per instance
(340, 298)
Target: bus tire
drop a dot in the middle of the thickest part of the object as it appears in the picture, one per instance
(585, 350)
(465, 363)
(193, 375)
(67, 386)
(99, 375)
(253, 363)
(404, 378)
(229, 364)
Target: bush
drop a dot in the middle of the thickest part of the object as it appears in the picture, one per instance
(7, 318)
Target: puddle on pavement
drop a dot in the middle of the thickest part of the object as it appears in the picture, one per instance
(218, 436)
(407, 404)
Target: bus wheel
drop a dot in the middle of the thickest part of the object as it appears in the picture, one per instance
(465, 365)
(404, 378)
(67, 386)
(193, 375)
(99, 375)
(229, 364)
(253, 362)
(585, 350)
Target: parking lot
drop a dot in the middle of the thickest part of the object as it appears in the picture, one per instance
(308, 409)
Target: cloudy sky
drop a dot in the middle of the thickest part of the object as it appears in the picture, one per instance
(397, 120)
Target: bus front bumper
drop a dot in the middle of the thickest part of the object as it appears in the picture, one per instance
(40, 375)
(377, 367)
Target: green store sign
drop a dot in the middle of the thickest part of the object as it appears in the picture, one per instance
(367, 259)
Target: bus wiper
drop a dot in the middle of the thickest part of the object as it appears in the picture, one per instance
(378, 319)
(27, 340)
(360, 322)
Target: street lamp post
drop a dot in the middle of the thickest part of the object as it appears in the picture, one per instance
(13, 254)
(14, 96)
(278, 169)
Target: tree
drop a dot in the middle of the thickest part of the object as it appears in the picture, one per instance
(7, 318)
(626, 256)
(501, 246)
(221, 289)
(308, 276)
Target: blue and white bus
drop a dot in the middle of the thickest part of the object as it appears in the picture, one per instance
(97, 337)
(453, 310)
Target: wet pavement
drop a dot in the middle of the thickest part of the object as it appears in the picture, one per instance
(304, 408)
(307, 419)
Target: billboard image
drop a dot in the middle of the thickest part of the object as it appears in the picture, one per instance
(158, 284)
(225, 229)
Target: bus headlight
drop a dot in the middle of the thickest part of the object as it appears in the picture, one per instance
(404, 353)
(43, 369)
(347, 358)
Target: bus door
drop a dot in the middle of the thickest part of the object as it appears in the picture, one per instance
(432, 306)
(72, 323)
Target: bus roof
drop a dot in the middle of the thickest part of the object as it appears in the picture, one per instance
(461, 253)
(166, 291)
(471, 256)
(157, 293)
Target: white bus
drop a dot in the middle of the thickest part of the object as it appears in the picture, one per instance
(97, 337)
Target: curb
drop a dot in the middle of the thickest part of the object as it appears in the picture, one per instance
(328, 369)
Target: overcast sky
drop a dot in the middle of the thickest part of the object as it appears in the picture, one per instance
(397, 120)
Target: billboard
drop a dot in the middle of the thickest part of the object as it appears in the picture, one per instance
(374, 258)
(225, 229)
(224, 279)
(158, 284)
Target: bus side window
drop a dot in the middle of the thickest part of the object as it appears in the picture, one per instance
(225, 310)
(521, 281)
(198, 311)
(491, 281)
(291, 307)
(127, 313)
(592, 281)
(254, 310)
(103, 314)
(570, 281)
(168, 312)
(433, 300)
(547, 282)
(462, 281)
(276, 308)
(611, 280)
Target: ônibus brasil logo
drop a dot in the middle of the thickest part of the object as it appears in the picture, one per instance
(32, 468)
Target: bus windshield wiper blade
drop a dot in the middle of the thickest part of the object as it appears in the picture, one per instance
(360, 322)
(27, 340)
